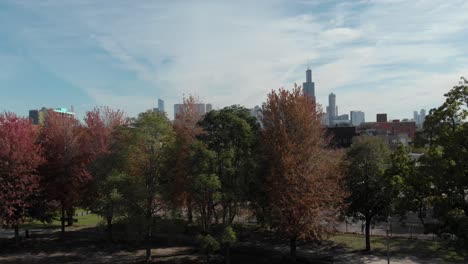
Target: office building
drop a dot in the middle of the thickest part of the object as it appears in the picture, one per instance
(309, 86)
(382, 118)
(209, 107)
(331, 109)
(200, 108)
(161, 106)
(38, 116)
(357, 117)
(419, 118)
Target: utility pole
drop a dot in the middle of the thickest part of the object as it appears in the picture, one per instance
(388, 240)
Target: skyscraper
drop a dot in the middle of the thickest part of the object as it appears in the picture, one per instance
(422, 116)
(209, 107)
(309, 86)
(161, 106)
(331, 109)
(357, 118)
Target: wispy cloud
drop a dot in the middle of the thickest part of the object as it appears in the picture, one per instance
(392, 56)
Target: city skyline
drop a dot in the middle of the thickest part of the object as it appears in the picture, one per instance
(357, 49)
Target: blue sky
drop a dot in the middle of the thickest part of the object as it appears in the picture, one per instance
(388, 56)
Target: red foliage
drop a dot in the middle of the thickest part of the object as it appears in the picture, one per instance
(100, 122)
(65, 172)
(303, 184)
(19, 159)
(187, 129)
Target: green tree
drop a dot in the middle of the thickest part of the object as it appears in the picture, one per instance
(206, 185)
(446, 161)
(228, 238)
(413, 186)
(232, 133)
(371, 189)
(150, 155)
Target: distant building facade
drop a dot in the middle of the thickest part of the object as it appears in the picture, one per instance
(357, 118)
(309, 86)
(200, 108)
(38, 116)
(331, 109)
(381, 118)
(420, 117)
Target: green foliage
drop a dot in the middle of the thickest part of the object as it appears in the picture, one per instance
(229, 236)
(446, 161)
(232, 133)
(208, 243)
(371, 189)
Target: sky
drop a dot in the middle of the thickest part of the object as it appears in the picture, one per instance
(378, 56)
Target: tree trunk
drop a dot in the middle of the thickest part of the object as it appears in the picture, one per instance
(368, 223)
(109, 227)
(70, 217)
(189, 211)
(16, 235)
(148, 242)
(62, 220)
(228, 254)
(292, 246)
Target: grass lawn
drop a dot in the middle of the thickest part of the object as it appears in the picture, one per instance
(424, 249)
(83, 221)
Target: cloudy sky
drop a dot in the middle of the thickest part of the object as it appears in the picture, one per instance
(376, 55)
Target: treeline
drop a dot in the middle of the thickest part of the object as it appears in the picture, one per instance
(228, 165)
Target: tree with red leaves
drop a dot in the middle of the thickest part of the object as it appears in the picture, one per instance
(64, 174)
(303, 182)
(19, 159)
(102, 138)
(187, 129)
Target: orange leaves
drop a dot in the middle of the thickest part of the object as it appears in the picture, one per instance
(304, 180)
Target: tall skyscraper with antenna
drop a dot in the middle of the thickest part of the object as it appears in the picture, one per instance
(309, 86)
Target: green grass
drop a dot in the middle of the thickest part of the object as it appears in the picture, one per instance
(424, 249)
(83, 221)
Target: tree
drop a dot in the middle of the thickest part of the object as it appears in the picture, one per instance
(413, 186)
(103, 138)
(303, 182)
(64, 174)
(446, 161)
(232, 133)
(19, 158)
(149, 163)
(187, 129)
(206, 185)
(228, 238)
(371, 189)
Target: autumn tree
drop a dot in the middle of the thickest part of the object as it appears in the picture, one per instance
(64, 174)
(19, 159)
(186, 129)
(106, 167)
(303, 182)
(371, 189)
(232, 133)
(149, 163)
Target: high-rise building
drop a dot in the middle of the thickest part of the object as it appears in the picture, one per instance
(419, 118)
(200, 108)
(161, 106)
(422, 117)
(357, 118)
(331, 109)
(38, 116)
(309, 86)
(209, 107)
(382, 118)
